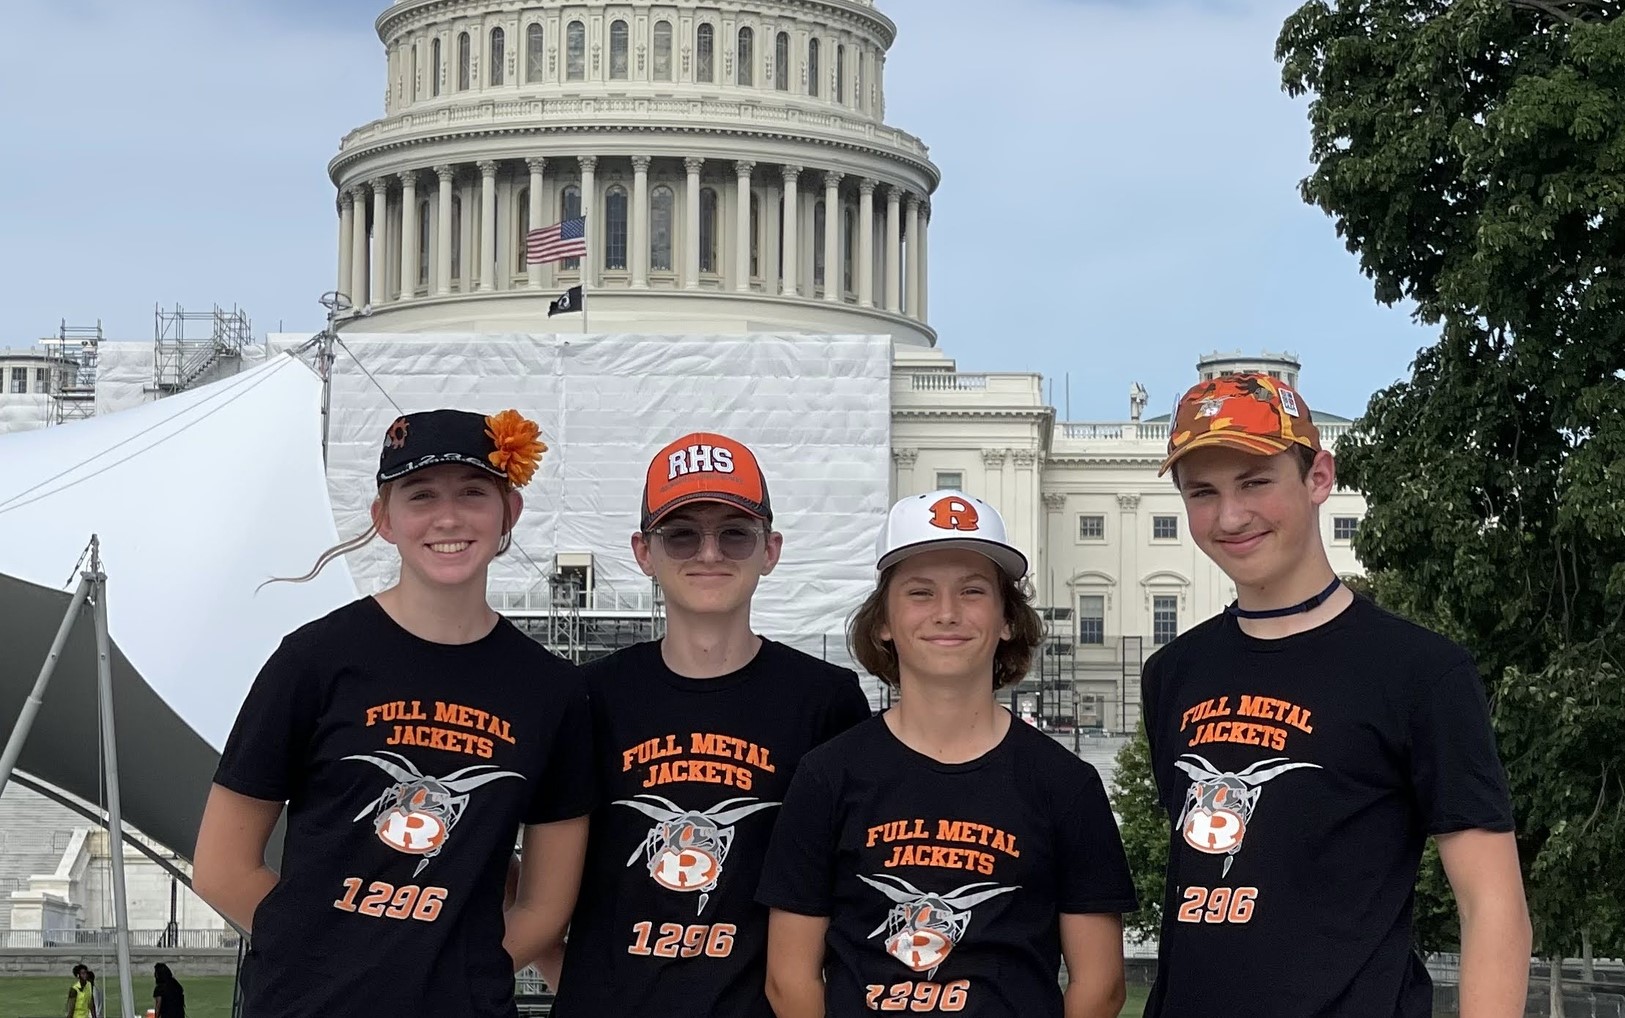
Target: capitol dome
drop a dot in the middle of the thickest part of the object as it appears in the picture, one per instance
(733, 163)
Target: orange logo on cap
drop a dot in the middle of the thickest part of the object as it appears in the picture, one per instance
(953, 514)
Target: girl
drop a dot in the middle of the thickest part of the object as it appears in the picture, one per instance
(409, 734)
(941, 857)
(168, 996)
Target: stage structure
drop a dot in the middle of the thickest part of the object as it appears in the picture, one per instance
(816, 409)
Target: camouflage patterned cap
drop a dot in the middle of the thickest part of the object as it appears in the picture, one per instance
(1250, 411)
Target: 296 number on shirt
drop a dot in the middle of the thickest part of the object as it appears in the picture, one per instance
(1218, 905)
(676, 941)
(409, 901)
(918, 997)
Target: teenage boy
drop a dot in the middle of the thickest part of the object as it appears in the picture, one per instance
(1306, 743)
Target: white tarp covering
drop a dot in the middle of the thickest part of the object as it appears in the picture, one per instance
(197, 499)
(815, 409)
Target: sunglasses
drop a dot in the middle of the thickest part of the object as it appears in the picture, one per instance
(736, 541)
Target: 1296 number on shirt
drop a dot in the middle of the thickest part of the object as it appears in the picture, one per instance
(918, 996)
(676, 941)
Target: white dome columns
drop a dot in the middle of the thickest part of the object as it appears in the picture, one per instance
(663, 221)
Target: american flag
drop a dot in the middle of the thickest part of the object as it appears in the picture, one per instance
(557, 242)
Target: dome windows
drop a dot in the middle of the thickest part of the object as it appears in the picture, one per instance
(619, 62)
(705, 37)
(840, 74)
(535, 53)
(662, 51)
(747, 56)
(781, 62)
(708, 230)
(812, 67)
(434, 66)
(465, 57)
(575, 52)
(499, 43)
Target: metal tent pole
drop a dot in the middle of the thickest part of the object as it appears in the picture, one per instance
(115, 821)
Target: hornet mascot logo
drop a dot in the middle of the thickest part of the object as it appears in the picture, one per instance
(685, 849)
(1220, 804)
(923, 928)
(416, 815)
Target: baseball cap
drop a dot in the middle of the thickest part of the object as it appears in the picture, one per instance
(704, 467)
(1251, 411)
(504, 445)
(946, 519)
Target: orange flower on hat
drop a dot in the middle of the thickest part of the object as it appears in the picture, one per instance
(518, 447)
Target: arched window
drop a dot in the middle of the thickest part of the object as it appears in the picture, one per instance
(521, 203)
(781, 62)
(820, 226)
(434, 67)
(747, 56)
(464, 56)
(413, 88)
(849, 231)
(662, 54)
(457, 236)
(661, 201)
(615, 228)
(708, 229)
(575, 52)
(569, 208)
(424, 220)
(618, 63)
(535, 54)
(755, 235)
(812, 67)
(857, 84)
(840, 74)
(705, 53)
(499, 45)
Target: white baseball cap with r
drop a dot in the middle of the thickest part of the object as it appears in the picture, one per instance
(947, 519)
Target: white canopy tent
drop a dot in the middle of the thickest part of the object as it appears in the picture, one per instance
(197, 499)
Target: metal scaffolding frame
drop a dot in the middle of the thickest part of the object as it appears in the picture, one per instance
(76, 349)
(179, 359)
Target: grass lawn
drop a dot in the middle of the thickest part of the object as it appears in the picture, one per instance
(47, 996)
(206, 996)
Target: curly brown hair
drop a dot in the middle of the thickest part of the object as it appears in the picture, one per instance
(1010, 662)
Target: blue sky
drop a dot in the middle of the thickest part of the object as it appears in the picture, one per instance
(1119, 182)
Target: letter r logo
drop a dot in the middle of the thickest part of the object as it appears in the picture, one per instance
(953, 514)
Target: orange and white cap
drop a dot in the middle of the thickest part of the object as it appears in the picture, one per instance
(947, 519)
(704, 467)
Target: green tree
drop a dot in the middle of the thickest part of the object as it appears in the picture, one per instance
(1472, 155)
(1144, 827)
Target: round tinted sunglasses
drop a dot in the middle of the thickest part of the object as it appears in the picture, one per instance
(735, 541)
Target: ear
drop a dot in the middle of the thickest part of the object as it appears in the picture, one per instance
(516, 505)
(1322, 477)
(643, 553)
(774, 548)
(380, 517)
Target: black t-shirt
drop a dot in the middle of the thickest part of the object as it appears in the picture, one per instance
(944, 883)
(1303, 775)
(408, 767)
(692, 772)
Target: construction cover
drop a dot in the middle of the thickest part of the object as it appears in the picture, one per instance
(815, 409)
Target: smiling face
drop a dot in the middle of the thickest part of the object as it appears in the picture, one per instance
(447, 522)
(945, 616)
(1256, 516)
(707, 579)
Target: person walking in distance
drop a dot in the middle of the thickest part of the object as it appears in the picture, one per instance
(945, 856)
(412, 736)
(1305, 744)
(698, 734)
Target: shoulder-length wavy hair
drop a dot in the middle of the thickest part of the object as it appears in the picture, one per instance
(1010, 661)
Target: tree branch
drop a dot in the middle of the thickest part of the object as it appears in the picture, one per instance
(1563, 10)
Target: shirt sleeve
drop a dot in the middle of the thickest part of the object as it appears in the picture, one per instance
(1456, 773)
(799, 872)
(1094, 874)
(568, 787)
(849, 707)
(265, 754)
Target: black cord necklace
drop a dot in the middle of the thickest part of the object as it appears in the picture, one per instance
(1234, 608)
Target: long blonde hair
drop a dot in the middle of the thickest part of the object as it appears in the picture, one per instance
(365, 538)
